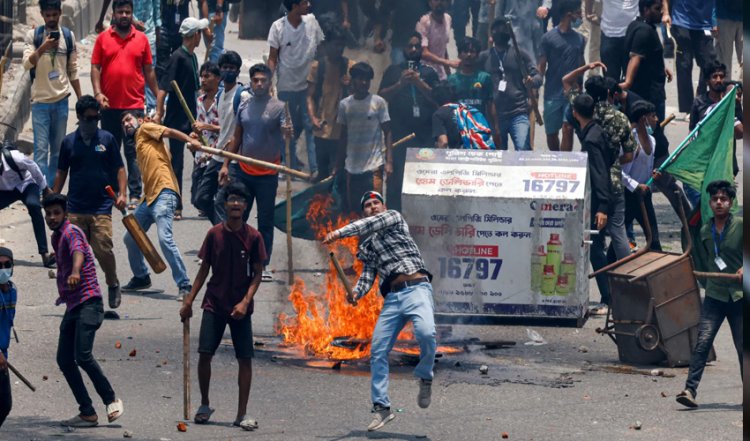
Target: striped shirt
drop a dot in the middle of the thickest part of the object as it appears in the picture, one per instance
(67, 240)
(386, 248)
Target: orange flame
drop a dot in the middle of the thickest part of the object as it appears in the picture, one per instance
(322, 317)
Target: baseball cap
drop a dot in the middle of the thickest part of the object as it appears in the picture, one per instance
(191, 25)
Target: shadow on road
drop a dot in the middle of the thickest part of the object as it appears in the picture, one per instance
(359, 434)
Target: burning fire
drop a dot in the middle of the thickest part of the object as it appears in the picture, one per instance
(321, 317)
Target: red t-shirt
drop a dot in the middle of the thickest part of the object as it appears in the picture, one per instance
(231, 255)
(122, 62)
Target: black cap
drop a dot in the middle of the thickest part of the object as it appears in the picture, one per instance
(7, 253)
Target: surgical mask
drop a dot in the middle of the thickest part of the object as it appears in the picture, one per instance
(576, 23)
(229, 76)
(649, 130)
(5, 274)
(88, 128)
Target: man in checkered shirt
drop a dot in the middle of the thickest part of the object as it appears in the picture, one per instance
(388, 250)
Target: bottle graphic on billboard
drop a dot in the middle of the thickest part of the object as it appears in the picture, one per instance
(538, 259)
(548, 280)
(568, 269)
(554, 252)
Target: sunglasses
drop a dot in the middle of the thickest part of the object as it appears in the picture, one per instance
(6, 264)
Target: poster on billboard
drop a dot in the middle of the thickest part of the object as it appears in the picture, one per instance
(503, 232)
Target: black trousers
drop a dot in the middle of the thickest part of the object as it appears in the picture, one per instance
(177, 150)
(6, 399)
(32, 202)
(325, 155)
(612, 54)
(691, 45)
(112, 122)
(74, 350)
(204, 188)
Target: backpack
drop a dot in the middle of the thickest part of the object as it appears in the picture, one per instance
(5, 151)
(238, 96)
(39, 35)
(473, 127)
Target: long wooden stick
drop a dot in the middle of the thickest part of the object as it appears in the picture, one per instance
(667, 120)
(717, 275)
(185, 367)
(233, 156)
(289, 250)
(342, 277)
(404, 140)
(21, 377)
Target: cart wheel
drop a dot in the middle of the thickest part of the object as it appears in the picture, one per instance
(647, 337)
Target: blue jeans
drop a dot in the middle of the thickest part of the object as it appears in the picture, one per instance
(616, 230)
(713, 313)
(413, 303)
(49, 122)
(161, 212)
(297, 102)
(518, 127)
(218, 45)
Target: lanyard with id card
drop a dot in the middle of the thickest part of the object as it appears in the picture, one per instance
(717, 242)
(502, 85)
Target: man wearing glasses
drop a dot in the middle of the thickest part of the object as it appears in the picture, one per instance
(92, 159)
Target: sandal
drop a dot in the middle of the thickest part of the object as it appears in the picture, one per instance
(178, 215)
(245, 423)
(78, 422)
(599, 309)
(203, 414)
(133, 204)
(114, 410)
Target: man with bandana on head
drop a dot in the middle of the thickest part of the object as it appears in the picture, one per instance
(389, 252)
(92, 158)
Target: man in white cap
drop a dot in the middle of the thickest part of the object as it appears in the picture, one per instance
(182, 68)
(388, 251)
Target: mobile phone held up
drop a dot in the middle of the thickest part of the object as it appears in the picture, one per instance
(55, 35)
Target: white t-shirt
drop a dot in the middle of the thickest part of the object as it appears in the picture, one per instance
(297, 49)
(227, 118)
(364, 136)
(638, 171)
(617, 15)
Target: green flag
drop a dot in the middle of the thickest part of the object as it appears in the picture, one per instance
(326, 203)
(706, 154)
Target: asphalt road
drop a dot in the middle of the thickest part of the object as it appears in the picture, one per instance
(572, 388)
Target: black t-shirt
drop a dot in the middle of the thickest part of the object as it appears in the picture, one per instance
(401, 104)
(172, 15)
(183, 68)
(444, 123)
(90, 168)
(404, 17)
(642, 39)
(564, 53)
(224, 6)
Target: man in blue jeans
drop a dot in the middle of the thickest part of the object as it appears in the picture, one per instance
(54, 72)
(161, 196)
(216, 11)
(389, 252)
(718, 248)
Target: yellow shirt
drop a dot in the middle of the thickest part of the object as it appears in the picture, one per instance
(155, 161)
(49, 87)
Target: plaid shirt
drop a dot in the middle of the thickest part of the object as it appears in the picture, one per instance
(387, 250)
(66, 241)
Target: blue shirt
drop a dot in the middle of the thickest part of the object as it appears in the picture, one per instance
(7, 314)
(91, 168)
(149, 12)
(692, 14)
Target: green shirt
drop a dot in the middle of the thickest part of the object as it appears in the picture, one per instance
(473, 90)
(730, 251)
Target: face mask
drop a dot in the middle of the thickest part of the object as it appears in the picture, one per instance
(576, 23)
(229, 76)
(501, 39)
(5, 274)
(87, 128)
(649, 130)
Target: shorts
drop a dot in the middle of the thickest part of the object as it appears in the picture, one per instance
(212, 331)
(554, 113)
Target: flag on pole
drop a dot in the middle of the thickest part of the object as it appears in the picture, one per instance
(706, 154)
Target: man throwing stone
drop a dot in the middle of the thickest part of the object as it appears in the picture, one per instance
(388, 250)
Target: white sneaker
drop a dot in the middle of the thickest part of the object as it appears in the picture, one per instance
(266, 276)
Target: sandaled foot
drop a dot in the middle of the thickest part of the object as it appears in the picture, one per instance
(114, 410)
(246, 423)
(203, 414)
(79, 421)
